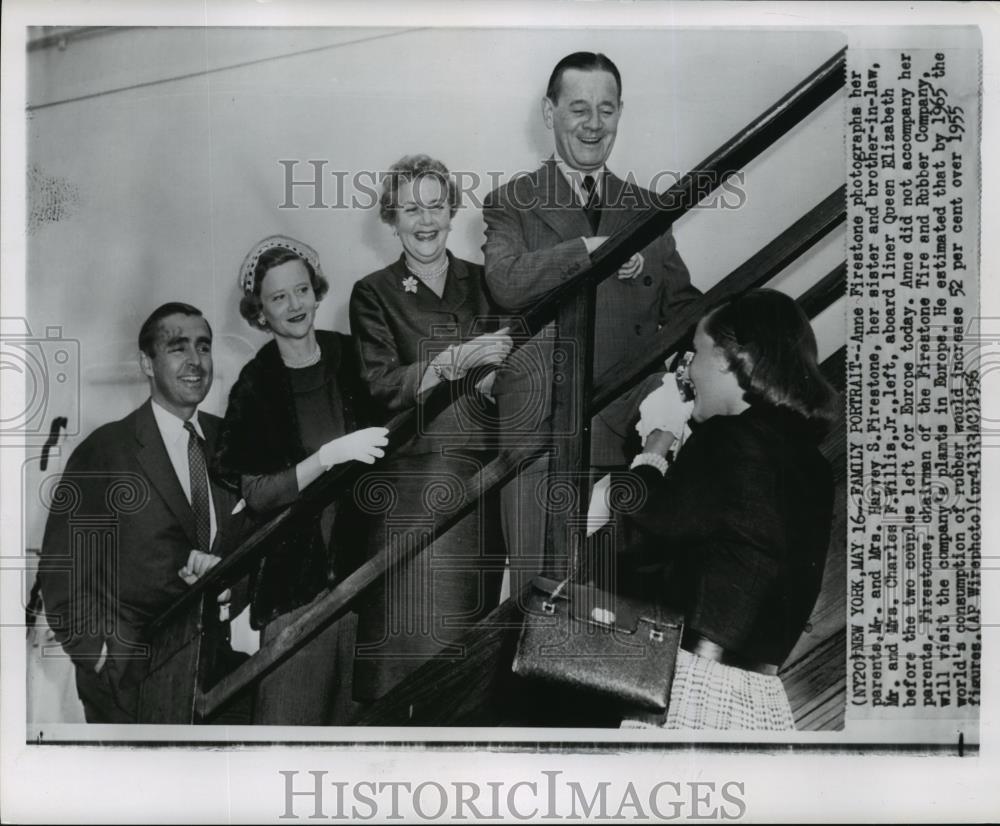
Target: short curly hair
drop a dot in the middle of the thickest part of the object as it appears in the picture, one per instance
(250, 303)
(150, 327)
(412, 168)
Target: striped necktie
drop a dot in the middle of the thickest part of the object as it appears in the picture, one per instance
(592, 209)
(198, 468)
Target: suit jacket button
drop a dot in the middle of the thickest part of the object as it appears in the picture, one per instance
(648, 280)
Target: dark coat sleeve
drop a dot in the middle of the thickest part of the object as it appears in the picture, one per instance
(519, 272)
(721, 489)
(259, 443)
(251, 456)
(392, 383)
(677, 291)
(232, 459)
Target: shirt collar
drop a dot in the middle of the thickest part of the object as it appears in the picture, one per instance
(172, 426)
(575, 178)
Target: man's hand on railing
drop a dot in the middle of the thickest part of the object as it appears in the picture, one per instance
(593, 242)
(360, 446)
(487, 349)
(198, 564)
(630, 269)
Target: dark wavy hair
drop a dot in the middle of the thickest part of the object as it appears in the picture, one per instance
(412, 168)
(770, 346)
(250, 303)
(585, 62)
(150, 327)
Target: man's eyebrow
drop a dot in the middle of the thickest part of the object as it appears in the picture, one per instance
(582, 102)
(175, 340)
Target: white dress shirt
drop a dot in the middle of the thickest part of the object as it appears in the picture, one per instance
(175, 439)
(575, 179)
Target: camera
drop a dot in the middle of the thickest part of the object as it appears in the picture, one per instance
(681, 369)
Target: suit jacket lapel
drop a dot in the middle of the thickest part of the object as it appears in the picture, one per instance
(456, 287)
(556, 203)
(152, 457)
(424, 299)
(617, 205)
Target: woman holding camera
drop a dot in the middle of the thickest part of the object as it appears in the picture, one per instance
(734, 532)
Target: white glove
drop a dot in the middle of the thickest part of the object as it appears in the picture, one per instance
(664, 409)
(360, 446)
(489, 348)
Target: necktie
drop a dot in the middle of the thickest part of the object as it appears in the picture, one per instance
(592, 209)
(198, 469)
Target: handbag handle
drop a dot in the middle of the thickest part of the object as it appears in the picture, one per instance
(574, 569)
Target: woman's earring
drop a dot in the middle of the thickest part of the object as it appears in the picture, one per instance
(261, 320)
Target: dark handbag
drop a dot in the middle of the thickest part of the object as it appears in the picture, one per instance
(620, 648)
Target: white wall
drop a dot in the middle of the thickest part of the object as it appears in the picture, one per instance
(161, 189)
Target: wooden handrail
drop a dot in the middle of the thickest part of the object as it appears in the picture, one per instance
(327, 608)
(665, 209)
(313, 499)
(645, 226)
(824, 292)
(332, 605)
(642, 229)
(759, 268)
(490, 647)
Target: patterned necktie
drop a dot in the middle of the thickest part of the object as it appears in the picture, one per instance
(198, 469)
(592, 209)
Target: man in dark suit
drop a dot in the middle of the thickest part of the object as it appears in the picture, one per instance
(134, 519)
(541, 229)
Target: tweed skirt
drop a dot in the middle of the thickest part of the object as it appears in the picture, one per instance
(709, 695)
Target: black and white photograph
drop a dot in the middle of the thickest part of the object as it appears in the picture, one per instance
(440, 413)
